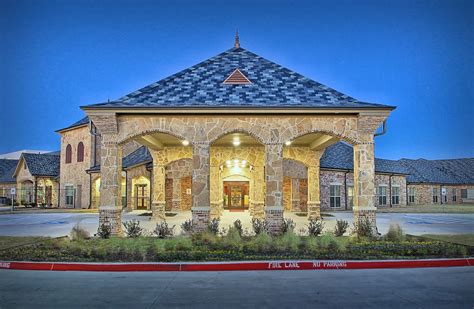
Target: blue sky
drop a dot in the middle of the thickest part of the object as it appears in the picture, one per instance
(417, 55)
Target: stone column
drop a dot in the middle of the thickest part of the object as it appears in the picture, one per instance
(258, 203)
(215, 193)
(110, 209)
(274, 186)
(158, 186)
(295, 194)
(200, 186)
(129, 194)
(314, 202)
(364, 184)
(176, 200)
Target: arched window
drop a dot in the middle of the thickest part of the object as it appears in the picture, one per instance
(68, 154)
(80, 152)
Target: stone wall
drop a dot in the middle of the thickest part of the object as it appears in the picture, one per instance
(389, 182)
(5, 189)
(74, 173)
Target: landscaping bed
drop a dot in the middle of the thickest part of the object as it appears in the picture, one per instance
(209, 247)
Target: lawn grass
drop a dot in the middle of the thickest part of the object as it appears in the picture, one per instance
(451, 209)
(7, 242)
(462, 239)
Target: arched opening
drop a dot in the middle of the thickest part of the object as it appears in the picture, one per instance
(237, 182)
(27, 193)
(95, 194)
(68, 153)
(295, 186)
(80, 152)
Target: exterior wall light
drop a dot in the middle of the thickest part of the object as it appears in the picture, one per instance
(288, 143)
(185, 143)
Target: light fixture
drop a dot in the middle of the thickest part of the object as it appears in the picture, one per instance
(236, 142)
(228, 163)
(288, 143)
(185, 142)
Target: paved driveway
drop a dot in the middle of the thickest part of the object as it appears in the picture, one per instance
(60, 224)
(374, 288)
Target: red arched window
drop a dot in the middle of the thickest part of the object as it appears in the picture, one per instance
(68, 154)
(80, 152)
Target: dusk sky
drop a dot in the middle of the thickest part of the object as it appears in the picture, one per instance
(417, 55)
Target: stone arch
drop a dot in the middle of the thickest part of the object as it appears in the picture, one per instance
(134, 135)
(342, 128)
(213, 137)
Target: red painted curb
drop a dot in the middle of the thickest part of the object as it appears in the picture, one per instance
(236, 266)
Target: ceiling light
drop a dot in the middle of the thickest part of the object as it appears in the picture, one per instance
(288, 143)
(185, 143)
(236, 142)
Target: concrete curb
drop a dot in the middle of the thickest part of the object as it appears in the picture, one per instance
(237, 266)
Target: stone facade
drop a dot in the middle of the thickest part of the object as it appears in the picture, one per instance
(74, 173)
(271, 131)
(424, 194)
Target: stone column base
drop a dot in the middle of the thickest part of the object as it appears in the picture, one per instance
(258, 210)
(361, 214)
(176, 204)
(274, 219)
(111, 216)
(158, 211)
(314, 210)
(200, 218)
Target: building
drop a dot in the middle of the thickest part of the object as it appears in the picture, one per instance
(231, 122)
(7, 181)
(235, 132)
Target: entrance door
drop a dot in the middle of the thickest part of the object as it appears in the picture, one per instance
(48, 195)
(236, 194)
(141, 196)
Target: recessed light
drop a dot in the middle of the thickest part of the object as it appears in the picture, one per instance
(236, 142)
(288, 143)
(185, 143)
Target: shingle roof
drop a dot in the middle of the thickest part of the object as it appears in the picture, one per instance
(42, 164)
(78, 123)
(341, 156)
(137, 157)
(454, 171)
(201, 86)
(7, 169)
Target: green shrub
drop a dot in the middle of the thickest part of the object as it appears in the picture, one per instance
(259, 226)
(261, 243)
(238, 227)
(162, 230)
(395, 233)
(187, 226)
(340, 228)
(104, 231)
(364, 228)
(132, 228)
(288, 225)
(231, 241)
(289, 242)
(315, 227)
(79, 233)
(213, 226)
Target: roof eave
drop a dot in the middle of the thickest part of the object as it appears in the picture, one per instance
(71, 128)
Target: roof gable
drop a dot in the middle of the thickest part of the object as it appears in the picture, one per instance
(272, 86)
(40, 164)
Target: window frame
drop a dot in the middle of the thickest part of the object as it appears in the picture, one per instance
(382, 199)
(435, 194)
(80, 152)
(395, 197)
(68, 157)
(350, 196)
(69, 198)
(335, 197)
(411, 194)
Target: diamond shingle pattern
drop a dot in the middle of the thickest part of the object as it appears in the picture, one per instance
(202, 85)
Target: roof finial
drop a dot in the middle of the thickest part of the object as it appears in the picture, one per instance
(237, 43)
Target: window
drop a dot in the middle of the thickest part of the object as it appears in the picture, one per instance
(124, 193)
(435, 195)
(463, 193)
(382, 193)
(411, 195)
(68, 154)
(395, 195)
(350, 196)
(69, 195)
(335, 196)
(454, 195)
(80, 152)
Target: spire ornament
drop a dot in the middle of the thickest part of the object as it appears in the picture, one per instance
(237, 43)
